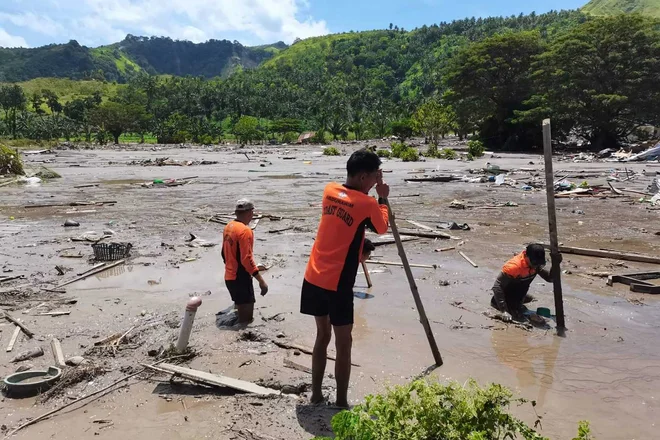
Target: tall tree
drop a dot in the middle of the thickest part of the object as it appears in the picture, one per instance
(12, 100)
(116, 118)
(494, 75)
(601, 80)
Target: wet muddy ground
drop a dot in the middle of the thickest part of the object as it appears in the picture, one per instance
(606, 370)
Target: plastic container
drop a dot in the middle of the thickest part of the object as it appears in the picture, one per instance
(31, 382)
(111, 251)
(544, 311)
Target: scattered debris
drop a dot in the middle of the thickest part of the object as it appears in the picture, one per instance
(14, 337)
(56, 347)
(27, 331)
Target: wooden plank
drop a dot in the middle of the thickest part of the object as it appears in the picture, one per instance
(643, 288)
(14, 337)
(442, 179)
(608, 254)
(451, 248)
(468, 259)
(296, 366)
(428, 234)
(390, 240)
(15, 277)
(57, 352)
(96, 266)
(420, 225)
(26, 330)
(89, 274)
(217, 380)
(55, 313)
(396, 263)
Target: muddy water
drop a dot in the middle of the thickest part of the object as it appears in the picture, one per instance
(606, 370)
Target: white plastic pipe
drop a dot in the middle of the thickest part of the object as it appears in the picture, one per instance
(188, 320)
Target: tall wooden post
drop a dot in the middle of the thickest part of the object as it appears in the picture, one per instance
(552, 223)
(413, 288)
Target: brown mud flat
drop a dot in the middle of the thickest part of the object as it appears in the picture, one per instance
(606, 370)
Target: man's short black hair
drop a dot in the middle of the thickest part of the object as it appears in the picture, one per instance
(536, 254)
(362, 161)
(368, 246)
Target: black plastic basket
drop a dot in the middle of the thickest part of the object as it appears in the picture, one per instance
(111, 251)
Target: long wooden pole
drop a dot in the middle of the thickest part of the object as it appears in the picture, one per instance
(413, 288)
(366, 275)
(552, 224)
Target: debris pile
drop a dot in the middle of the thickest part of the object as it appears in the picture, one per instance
(166, 161)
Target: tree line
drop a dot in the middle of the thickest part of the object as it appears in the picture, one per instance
(498, 78)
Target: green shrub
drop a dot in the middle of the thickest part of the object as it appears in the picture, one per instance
(447, 153)
(289, 137)
(410, 155)
(432, 151)
(318, 138)
(331, 151)
(206, 139)
(10, 161)
(428, 410)
(402, 129)
(476, 148)
(398, 148)
(384, 153)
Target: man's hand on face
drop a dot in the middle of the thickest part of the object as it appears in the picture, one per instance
(382, 188)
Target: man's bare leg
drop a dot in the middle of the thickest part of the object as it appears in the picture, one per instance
(245, 313)
(320, 356)
(344, 344)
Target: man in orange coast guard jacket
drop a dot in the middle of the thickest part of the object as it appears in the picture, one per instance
(327, 291)
(512, 284)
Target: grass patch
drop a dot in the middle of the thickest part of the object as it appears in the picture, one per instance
(410, 155)
(384, 153)
(331, 151)
(476, 148)
(68, 89)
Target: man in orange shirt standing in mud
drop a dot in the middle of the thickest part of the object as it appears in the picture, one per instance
(327, 291)
(237, 253)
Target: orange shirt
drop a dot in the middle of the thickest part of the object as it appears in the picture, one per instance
(518, 268)
(335, 256)
(237, 248)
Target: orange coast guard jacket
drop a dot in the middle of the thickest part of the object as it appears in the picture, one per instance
(335, 256)
(513, 282)
(237, 251)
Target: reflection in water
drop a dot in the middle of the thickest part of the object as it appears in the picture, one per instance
(533, 358)
(114, 271)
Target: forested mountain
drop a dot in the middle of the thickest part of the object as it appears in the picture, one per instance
(120, 61)
(496, 77)
(610, 7)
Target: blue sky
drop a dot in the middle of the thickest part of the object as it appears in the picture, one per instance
(31, 23)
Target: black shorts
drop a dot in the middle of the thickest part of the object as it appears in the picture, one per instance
(316, 301)
(241, 290)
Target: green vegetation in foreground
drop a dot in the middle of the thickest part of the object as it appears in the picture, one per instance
(425, 410)
(649, 8)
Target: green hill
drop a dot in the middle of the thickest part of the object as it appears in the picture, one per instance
(610, 7)
(119, 61)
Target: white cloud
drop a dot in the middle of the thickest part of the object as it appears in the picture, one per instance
(94, 22)
(36, 23)
(7, 40)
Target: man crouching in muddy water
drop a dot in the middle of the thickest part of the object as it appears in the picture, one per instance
(512, 284)
(327, 291)
(237, 249)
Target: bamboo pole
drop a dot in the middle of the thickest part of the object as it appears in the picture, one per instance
(413, 288)
(555, 256)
